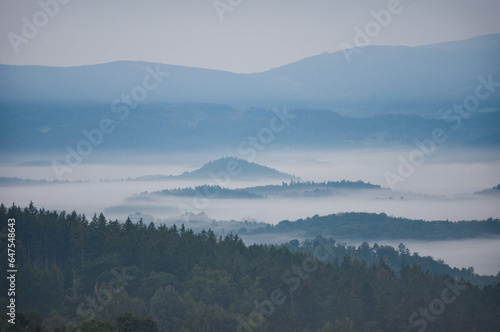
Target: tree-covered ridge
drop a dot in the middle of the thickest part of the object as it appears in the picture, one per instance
(395, 258)
(73, 269)
(495, 190)
(311, 188)
(206, 191)
(372, 226)
(8, 181)
(291, 189)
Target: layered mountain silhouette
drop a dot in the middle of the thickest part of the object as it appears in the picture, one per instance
(378, 79)
(62, 127)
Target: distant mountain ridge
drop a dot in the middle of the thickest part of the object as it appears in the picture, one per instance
(378, 80)
(48, 127)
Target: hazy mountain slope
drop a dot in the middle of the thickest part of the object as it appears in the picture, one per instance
(391, 75)
(236, 168)
(172, 127)
(379, 79)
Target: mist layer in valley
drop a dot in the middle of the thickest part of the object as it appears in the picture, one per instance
(441, 188)
(444, 187)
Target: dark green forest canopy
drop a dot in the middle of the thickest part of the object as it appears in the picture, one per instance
(72, 269)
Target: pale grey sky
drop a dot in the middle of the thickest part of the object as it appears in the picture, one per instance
(255, 35)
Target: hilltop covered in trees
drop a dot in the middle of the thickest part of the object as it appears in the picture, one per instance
(373, 226)
(291, 189)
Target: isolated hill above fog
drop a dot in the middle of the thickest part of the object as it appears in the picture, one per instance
(227, 169)
(378, 79)
(241, 169)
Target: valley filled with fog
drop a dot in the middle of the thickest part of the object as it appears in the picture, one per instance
(250, 166)
(442, 188)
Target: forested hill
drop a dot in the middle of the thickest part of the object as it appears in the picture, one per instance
(490, 191)
(291, 189)
(372, 226)
(235, 168)
(72, 270)
(395, 258)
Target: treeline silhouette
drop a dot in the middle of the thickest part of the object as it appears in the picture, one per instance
(102, 275)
